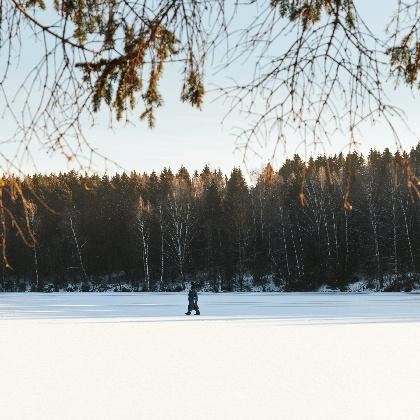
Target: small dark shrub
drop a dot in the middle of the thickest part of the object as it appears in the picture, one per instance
(393, 287)
(408, 287)
(85, 287)
(21, 287)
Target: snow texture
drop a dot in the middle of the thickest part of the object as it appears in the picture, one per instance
(306, 307)
(250, 356)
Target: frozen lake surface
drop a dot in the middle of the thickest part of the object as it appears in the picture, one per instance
(250, 356)
(307, 307)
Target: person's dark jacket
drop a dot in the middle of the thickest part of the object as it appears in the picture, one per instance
(193, 296)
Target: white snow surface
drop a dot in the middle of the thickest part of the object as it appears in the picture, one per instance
(249, 356)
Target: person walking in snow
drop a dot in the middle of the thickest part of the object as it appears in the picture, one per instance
(192, 300)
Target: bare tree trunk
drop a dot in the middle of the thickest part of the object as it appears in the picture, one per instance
(78, 248)
(161, 247)
(324, 216)
(241, 277)
(296, 252)
(180, 228)
(143, 225)
(284, 242)
(302, 263)
(318, 218)
(261, 212)
(334, 227)
(36, 267)
(32, 215)
(347, 239)
(413, 266)
(374, 225)
(394, 223)
(145, 243)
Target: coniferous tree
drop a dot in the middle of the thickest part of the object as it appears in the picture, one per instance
(154, 232)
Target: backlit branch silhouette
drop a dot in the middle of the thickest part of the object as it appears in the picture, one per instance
(317, 68)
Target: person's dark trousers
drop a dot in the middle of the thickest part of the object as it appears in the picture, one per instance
(192, 306)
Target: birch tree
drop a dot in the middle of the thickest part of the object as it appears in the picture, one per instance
(71, 216)
(180, 222)
(34, 221)
(143, 221)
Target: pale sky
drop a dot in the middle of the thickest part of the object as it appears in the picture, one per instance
(186, 136)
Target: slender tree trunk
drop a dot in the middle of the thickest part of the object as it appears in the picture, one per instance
(327, 235)
(334, 228)
(394, 223)
(241, 279)
(261, 212)
(161, 247)
(413, 266)
(36, 267)
(285, 243)
(346, 217)
(78, 248)
(302, 259)
(145, 241)
(374, 225)
(318, 220)
(296, 252)
(32, 215)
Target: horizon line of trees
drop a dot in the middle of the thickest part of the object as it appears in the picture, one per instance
(158, 231)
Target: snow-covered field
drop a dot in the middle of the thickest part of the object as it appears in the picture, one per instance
(250, 356)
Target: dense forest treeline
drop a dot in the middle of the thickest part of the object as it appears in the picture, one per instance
(157, 231)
